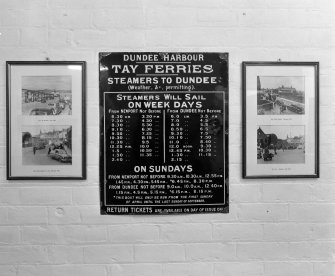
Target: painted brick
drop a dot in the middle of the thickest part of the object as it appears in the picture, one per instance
(63, 215)
(289, 269)
(108, 254)
(87, 4)
(288, 232)
(210, 252)
(135, 269)
(184, 269)
(93, 174)
(323, 193)
(262, 212)
(133, 233)
(234, 158)
(323, 231)
(186, 233)
(287, 192)
(63, 4)
(3, 215)
(3, 96)
(92, 115)
(59, 38)
(3, 112)
(196, 3)
(45, 196)
(160, 18)
(23, 255)
(158, 38)
(33, 37)
(327, 115)
(2, 135)
(28, 18)
(234, 130)
(63, 234)
(131, 39)
(286, 4)
(245, 193)
(92, 156)
(27, 215)
(40, 235)
(262, 251)
(312, 212)
(65, 254)
(91, 215)
(74, 19)
(8, 270)
(9, 235)
(159, 253)
(23, 54)
(237, 232)
(92, 99)
(75, 54)
(86, 195)
(318, 251)
(9, 37)
(238, 269)
(2, 156)
(324, 269)
(64, 270)
(9, 196)
(18, 4)
(324, 150)
(217, 17)
(79, 234)
(91, 38)
(119, 18)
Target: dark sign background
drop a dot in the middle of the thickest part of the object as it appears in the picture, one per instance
(132, 181)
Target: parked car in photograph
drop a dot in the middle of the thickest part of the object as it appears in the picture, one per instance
(295, 109)
(55, 107)
(41, 111)
(60, 155)
(39, 145)
(259, 153)
(267, 155)
(62, 104)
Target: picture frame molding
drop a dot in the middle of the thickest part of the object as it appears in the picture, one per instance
(83, 175)
(245, 64)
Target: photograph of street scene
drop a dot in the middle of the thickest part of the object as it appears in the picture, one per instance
(47, 145)
(281, 144)
(46, 95)
(280, 95)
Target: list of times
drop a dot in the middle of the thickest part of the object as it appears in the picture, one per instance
(163, 133)
(165, 152)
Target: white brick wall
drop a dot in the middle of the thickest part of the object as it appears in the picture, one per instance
(275, 227)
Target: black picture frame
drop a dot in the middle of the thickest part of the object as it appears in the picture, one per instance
(48, 101)
(259, 81)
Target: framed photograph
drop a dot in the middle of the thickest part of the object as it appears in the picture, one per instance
(46, 121)
(280, 119)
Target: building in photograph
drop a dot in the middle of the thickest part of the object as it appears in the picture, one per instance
(272, 141)
(279, 99)
(47, 138)
(27, 140)
(266, 140)
(296, 141)
(38, 95)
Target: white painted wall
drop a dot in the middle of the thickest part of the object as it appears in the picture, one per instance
(274, 228)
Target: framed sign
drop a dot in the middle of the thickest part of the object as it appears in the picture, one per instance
(46, 120)
(280, 119)
(163, 133)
